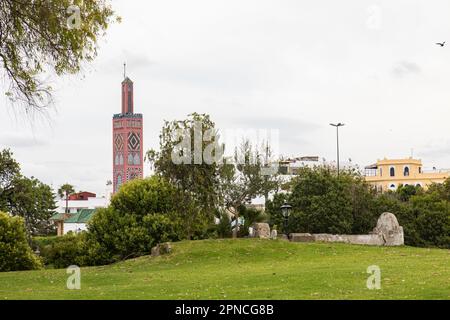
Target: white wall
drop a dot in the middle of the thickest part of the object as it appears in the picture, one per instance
(74, 227)
(75, 205)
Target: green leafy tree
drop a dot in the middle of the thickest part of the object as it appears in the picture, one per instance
(47, 35)
(34, 201)
(323, 199)
(191, 157)
(440, 190)
(15, 253)
(181, 160)
(405, 192)
(323, 202)
(433, 228)
(28, 198)
(246, 177)
(9, 170)
(142, 214)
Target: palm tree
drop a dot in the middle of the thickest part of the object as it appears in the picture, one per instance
(66, 190)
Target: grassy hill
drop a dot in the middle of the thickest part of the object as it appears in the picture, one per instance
(249, 269)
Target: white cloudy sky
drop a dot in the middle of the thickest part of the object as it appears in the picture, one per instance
(290, 65)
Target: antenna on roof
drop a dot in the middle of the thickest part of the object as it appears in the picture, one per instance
(124, 70)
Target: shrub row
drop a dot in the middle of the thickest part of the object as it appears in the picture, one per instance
(325, 203)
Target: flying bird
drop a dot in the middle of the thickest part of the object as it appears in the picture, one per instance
(440, 43)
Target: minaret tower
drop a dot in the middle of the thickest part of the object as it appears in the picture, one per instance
(127, 139)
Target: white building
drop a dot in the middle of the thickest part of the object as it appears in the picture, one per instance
(80, 208)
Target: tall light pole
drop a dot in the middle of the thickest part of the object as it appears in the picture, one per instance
(337, 125)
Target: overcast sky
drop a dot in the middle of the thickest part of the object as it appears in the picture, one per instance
(292, 65)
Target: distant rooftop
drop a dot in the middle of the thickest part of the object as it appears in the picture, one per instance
(82, 216)
(127, 80)
(400, 161)
(83, 195)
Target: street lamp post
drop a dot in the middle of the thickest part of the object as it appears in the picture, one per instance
(337, 125)
(286, 211)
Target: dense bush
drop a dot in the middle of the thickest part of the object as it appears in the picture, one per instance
(25, 197)
(432, 217)
(389, 202)
(41, 241)
(140, 197)
(142, 214)
(61, 252)
(433, 228)
(163, 227)
(325, 203)
(15, 253)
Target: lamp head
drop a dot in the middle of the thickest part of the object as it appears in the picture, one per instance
(286, 209)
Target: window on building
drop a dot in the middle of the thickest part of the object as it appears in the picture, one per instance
(392, 172)
(420, 169)
(381, 172)
(392, 186)
(130, 159)
(406, 171)
(137, 159)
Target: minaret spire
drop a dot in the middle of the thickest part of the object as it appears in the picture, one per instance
(127, 92)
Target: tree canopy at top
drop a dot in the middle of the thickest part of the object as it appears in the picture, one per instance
(47, 35)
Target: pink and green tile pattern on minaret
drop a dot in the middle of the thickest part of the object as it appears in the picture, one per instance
(127, 140)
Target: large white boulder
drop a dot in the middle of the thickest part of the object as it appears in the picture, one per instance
(389, 228)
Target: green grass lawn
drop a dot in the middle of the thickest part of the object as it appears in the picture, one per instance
(249, 269)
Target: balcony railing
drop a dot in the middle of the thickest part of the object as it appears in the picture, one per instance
(370, 172)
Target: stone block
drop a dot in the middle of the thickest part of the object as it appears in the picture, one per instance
(282, 236)
(273, 234)
(155, 251)
(301, 237)
(261, 230)
(390, 230)
(165, 248)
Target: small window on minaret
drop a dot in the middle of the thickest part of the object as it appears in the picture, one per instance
(130, 100)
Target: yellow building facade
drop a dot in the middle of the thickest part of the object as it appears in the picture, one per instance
(389, 174)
